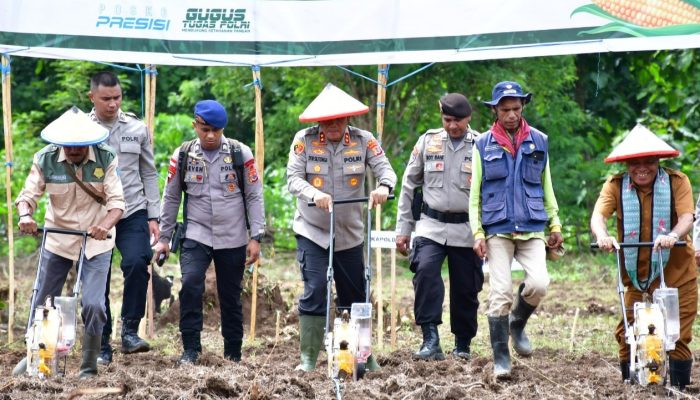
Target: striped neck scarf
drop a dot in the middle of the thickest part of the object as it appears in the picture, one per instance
(631, 222)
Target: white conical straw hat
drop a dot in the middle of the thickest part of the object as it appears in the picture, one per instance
(641, 142)
(74, 128)
(332, 103)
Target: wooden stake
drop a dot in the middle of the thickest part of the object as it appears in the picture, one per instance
(393, 299)
(277, 326)
(380, 295)
(150, 306)
(260, 160)
(7, 125)
(573, 331)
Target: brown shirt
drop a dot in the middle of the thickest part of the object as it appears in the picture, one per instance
(69, 206)
(681, 264)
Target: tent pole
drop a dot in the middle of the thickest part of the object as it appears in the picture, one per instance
(7, 125)
(260, 159)
(381, 98)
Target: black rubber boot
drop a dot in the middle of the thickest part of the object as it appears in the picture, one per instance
(131, 342)
(680, 372)
(105, 356)
(518, 319)
(91, 347)
(430, 349)
(498, 329)
(461, 349)
(625, 369)
(232, 350)
(192, 348)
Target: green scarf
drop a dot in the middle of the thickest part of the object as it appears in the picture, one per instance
(631, 222)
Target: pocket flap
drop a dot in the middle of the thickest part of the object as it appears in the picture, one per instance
(229, 176)
(494, 155)
(317, 168)
(57, 188)
(354, 169)
(535, 204)
(493, 206)
(434, 166)
(128, 147)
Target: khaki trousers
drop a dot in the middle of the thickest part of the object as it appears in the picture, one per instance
(531, 254)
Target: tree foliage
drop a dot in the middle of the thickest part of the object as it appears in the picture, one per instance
(585, 104)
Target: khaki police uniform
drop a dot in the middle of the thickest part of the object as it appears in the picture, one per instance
(70, 207)
(444, 173)
(130, 139)
(216, 230)
(318, 166)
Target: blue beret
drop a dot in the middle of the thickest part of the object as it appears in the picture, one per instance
(212, 112)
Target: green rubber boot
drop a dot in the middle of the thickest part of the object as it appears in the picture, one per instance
(312, 328)
(372, 364)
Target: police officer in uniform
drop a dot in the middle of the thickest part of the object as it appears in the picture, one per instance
(214, 226)
(328, 162)
(131, 140)
(79, 173)
(441, 164)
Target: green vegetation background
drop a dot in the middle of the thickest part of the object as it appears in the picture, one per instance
(585, 103)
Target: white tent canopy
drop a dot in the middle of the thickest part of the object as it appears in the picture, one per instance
(329, 32)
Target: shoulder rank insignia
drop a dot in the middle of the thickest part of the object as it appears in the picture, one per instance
(99, 173)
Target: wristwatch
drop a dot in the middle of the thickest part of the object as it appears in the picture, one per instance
(673, 235)
(257, 238)
(391, 189)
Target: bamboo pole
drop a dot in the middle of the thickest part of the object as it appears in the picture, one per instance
(260, 158)
(152, 109)
(147, 99)
(7, 126)
(149, 119)
(381, 98)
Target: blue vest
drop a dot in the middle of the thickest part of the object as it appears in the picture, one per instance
(512, 197)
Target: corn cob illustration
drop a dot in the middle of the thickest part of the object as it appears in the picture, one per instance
(651, 13)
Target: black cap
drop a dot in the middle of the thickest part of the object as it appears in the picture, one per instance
(455, 105)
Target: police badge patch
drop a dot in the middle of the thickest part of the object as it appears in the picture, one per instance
(298, 147)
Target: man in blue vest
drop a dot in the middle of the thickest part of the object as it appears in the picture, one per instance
(511, 203)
